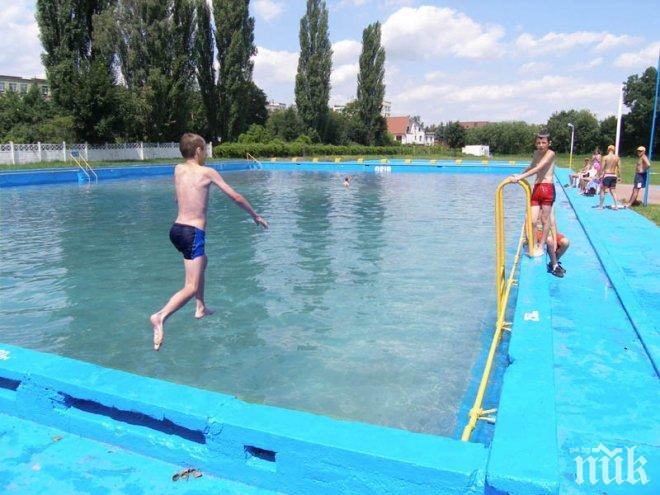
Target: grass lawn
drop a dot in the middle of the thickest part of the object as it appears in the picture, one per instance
(652, 212)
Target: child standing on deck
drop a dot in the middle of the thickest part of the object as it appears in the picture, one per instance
(192, 181)
(543, 195)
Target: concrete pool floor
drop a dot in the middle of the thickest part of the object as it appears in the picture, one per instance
(602, 389)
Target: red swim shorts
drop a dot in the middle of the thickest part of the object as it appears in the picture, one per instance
(543, 194)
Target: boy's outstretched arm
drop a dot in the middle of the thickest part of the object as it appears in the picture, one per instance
(236, 197)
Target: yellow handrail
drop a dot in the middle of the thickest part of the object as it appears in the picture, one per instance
(503, 289)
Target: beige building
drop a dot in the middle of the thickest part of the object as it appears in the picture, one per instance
(21, 85)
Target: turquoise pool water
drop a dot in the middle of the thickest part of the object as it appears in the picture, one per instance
(367, 304)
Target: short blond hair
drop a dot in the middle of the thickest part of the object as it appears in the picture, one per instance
(189, 144)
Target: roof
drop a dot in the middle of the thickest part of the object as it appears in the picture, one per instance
(398, 125)
(36, 80)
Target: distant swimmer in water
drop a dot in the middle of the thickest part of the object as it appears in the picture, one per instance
(347, 181)
(192, 181)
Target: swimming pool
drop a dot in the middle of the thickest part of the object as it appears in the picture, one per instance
(368, 303)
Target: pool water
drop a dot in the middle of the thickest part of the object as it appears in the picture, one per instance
(369, 303)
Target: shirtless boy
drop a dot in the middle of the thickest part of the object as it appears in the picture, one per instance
(609, 175)
(192, 181)
(543, 195)
(641, 174)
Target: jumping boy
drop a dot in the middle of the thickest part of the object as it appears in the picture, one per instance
(543, 195)
(609, 174)
(192, 181)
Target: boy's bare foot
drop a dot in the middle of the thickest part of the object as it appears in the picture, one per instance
(202, 312)
(157, 323)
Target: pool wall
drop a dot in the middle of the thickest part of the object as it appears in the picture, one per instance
(273, 448)
(55, 176)
(290, 451)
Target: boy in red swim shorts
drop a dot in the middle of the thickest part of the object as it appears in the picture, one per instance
(543, 194)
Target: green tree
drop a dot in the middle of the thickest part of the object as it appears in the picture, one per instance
(256, 134)
(587, 131)
(314, 67)
(206, 74)
(371, 89)
(79, 71)
(455, 135)
(285, 124)
(638, 95)
(504, 137)
(607, 131)
(154, 40)
(235, 47)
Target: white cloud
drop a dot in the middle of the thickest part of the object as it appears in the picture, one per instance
(352, 3)
(345, 51)
(268, 10)
(274, 67)
(594, 63)
(427, 32)
(435, 75)
(20, 48)
(563, 42)
(641, 59)
(344, 74)
(534, 67)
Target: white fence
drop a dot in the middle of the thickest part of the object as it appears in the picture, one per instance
(16, 154)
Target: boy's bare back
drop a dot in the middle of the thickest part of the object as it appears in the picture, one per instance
(192, 193)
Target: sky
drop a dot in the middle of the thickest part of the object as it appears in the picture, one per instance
(445, 60)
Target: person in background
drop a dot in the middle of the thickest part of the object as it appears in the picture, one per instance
(609, 174)
(641, 175)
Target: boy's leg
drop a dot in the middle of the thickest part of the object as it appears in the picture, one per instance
(633, 196)
(201, 309)
(535, 210)
(546, 210)
(613, 194)
(601, 197)
(194, 268)
(562, 247)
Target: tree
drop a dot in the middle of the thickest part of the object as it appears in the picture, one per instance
(314, 67)
(154, 40)
(285, 124)
(256, 134)
(607, 131)
(455, 135)
(638, 95)
(371, 89)
(235, 48)
(504, 137)
(79, 72)
(206, 74)
(587, 131)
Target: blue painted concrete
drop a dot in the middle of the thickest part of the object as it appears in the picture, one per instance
(268, 447)
(625, 242)
(38, 459)
(55, 176)
(523, 456)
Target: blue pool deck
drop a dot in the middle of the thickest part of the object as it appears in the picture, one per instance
(582, 381)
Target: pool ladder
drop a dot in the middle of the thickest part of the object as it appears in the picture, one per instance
(84, 165)
(250, 157)
(503, 290)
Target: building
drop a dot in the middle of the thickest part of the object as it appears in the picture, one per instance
(386, 110)
(21, 85)
(471, 124)
(338, 108)
(273, 106)
(407, 130)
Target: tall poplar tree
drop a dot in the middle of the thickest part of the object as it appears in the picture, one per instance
(314, 67)
(370, 89)
(155, 40)
(79, 71)
(206, 73)
(235, 48)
